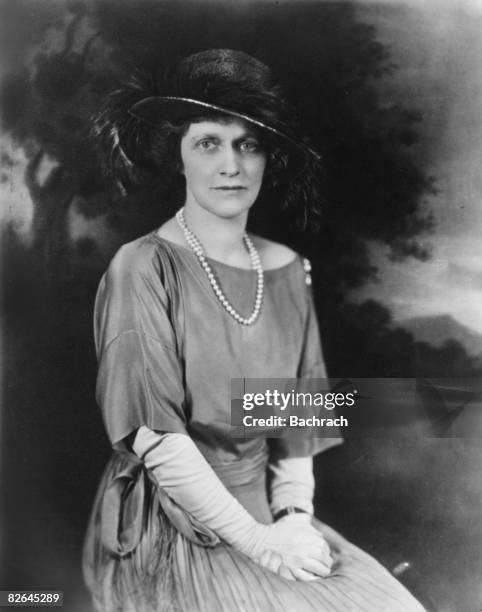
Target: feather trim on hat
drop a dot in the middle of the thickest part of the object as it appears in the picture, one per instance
(123, 141)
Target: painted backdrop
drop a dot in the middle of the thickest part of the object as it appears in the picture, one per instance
(391, 95)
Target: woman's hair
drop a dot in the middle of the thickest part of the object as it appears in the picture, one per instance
(135, 154)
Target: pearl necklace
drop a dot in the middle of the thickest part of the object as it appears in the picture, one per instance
(196, 246)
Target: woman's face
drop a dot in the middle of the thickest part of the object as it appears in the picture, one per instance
(223, 163)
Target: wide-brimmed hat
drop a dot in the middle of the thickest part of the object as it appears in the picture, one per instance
(232, 83)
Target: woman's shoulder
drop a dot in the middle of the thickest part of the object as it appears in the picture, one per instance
(274, 254)
(280, 259)
(138, 260)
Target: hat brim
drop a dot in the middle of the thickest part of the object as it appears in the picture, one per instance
(160, 108)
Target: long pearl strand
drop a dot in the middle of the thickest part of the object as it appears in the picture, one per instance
(196, 246)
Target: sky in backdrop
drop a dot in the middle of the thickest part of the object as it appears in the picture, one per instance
(437, 47)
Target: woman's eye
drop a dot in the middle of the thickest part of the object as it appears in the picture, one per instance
(250, 146)
(206, 145)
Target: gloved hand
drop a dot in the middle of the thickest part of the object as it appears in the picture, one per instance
(296, 550)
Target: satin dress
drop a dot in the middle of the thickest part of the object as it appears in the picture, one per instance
(167, 352)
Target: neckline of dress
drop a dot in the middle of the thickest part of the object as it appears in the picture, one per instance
(186, 249)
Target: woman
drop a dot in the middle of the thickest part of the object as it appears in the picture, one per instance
(182, 519)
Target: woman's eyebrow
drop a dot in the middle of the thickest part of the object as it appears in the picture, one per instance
(249, 134)
(204, 135)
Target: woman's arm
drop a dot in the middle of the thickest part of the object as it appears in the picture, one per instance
(292, 484)
(291, 497)
(184, 474)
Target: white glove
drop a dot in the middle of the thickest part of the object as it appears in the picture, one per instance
(292, 484)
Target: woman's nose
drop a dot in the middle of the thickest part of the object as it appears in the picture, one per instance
(230, 162)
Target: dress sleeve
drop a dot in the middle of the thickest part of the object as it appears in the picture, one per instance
(140, 375)
(311, 365)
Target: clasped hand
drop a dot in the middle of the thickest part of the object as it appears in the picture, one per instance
(296, 550)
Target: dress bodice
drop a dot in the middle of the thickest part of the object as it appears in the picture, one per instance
(160, 326)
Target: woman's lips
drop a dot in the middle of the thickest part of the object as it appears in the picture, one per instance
(227, 188)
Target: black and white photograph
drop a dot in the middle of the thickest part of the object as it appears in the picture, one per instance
(240, 305)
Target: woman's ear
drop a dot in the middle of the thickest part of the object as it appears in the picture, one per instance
(179, 167)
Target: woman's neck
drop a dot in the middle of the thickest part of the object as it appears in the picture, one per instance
(222, 238)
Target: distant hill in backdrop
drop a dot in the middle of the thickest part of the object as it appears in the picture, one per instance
(436, 330)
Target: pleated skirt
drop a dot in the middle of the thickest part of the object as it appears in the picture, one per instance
(164, 568)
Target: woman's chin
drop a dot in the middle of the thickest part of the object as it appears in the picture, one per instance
(228, 208)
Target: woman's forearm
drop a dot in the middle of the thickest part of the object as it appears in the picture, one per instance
(292, 484)
(185, 475)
